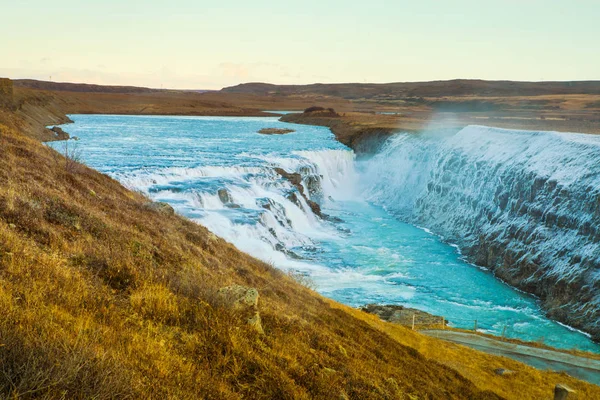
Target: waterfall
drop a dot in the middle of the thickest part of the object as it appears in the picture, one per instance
(524, 204)
(254, 207)
(262, 193)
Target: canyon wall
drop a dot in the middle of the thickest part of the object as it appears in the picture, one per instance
(524, 204)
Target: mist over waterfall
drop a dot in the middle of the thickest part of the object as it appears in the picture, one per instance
(524, 204)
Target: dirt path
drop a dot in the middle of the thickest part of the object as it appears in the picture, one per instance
(580, 367)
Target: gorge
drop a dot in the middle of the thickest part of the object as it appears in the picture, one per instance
(221, 173)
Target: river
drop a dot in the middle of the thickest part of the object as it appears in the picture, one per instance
(219, 172)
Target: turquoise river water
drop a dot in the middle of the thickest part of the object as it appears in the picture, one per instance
(219, 172)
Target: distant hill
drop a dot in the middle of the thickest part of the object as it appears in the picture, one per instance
(390, 91)
(79, 87)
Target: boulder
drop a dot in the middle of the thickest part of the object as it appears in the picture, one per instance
(224, 196)
(59, 133)
(504, 372)
(562, 392)
(244, 300)
(160, 207)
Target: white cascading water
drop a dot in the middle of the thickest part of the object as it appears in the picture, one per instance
(255, 210)
(525, 204)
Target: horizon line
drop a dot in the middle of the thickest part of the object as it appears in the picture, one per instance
(304, 84)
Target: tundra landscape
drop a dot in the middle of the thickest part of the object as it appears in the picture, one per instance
(107, 295)
(299, 201)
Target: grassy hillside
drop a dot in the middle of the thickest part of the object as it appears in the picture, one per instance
(103, 296)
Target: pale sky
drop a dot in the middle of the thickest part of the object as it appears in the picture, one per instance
(198, 44)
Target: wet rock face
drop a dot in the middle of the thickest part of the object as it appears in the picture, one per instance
(524, 204)
(296, 180)
(224, 196)
(517, 233)
(313, 184)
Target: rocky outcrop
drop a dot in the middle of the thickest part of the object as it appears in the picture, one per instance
(321, 112)
(296, 180)
(244, 300)
(293, 177)
(402, 315)
(224, 196)
(59, 133)
(364, 137)
(275, 131)
(160, 207)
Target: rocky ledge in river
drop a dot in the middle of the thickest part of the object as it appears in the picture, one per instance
(59, 133)
(275, 131)
(296, 180)
(402, 315)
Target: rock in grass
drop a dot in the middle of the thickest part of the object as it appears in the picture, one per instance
(160, 207)
(275, 131)
(504, 372)
(244, 300)
(562, 392)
